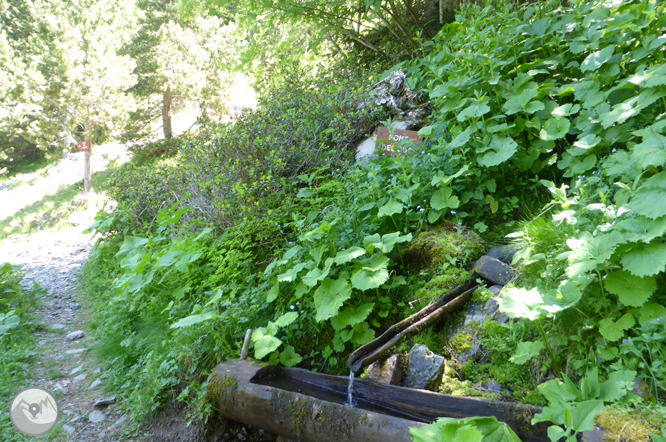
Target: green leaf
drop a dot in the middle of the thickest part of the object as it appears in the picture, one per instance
(291, 253)
(286, 319)
(596, 59)
(304, 193)
(480, 227)
(425, 131)
(645, 260)
(521, 303)
(433, 216)
(631, 290)
(651, 311)
(131, 243)
(613, 331)
(362, 334)
(392, 207)
(273, 293)
(623, 111)
(642, 229)
(366, 207)
(462, 138)
(583, 415)
(587, 252)
(329, 297)
(501, 148)
(367, 278)
(264, 345)
(441, 179)
(554, 129)
(449, 429)
(291, 274)
(652, 151)
(193, 319)
(443, 199)
(345, 256)
(167, 259)
(556, 433)
(475, 110)
(617, 386)
(650, 198)
(314, 276)
(289, 357)
(526, 351)
(351, 316)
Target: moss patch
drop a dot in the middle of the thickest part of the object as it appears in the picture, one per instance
(221, 389)
(442, 245)
(632, 426)
(462, 342)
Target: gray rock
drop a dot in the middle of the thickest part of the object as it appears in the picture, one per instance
(495, 289)
(502, 318)
(58, 327)
(641, 388)
(491, 306)
(118, 423)
(76, 370)
(79, 378)
(75, 335)
(425, 369)
(396, 97)
(387, 370)
(504, 253)
(95, 384)
(494, 387)
(42, 343)
(75, 351)
(68, 429)
(98, 370)
(76, 306)
(104, 402)
(97, 417)
(494, 270)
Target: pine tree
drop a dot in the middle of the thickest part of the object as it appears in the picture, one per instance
(178, 61)
(75, 81)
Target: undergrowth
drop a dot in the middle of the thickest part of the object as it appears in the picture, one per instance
(548, 120)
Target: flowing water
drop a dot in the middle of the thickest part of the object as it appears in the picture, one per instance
(350, 390)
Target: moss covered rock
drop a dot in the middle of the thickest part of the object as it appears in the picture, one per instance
(443, 244)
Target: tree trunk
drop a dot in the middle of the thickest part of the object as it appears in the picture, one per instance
(166, 113)
(87, 169)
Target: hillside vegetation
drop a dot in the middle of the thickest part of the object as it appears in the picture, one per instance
(547, 131)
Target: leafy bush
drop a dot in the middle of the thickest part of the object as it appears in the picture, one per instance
(155, 150)
(249, 169)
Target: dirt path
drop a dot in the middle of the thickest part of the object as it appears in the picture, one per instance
(64, 365)
(54, 260)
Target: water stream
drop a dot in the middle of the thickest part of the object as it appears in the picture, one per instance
(350, 390)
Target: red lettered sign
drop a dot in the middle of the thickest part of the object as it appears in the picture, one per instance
(84, 145)
(387, 141)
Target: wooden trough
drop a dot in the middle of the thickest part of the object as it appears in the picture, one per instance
(305, 406)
